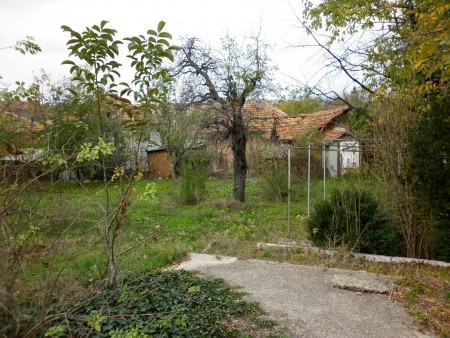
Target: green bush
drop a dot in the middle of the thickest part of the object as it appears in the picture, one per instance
(440, 240)
(354, 218)
(429, 151)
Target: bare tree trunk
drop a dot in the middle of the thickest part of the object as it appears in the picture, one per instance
(238, 146)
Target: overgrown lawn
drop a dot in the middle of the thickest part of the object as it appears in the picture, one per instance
(160, 231)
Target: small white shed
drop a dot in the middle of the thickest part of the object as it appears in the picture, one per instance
(342, 151)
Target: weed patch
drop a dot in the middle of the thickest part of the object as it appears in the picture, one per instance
(158, 304)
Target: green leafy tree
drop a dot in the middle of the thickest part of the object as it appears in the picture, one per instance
(72, 122)
(17, 135)
(26, 46)
(408, 48)
(301, 102)
(20, 93)
(353, 217)
(97, 47)
(431, 171)
(360, 120)
(403, 60)
(179, 129)
(16, 132)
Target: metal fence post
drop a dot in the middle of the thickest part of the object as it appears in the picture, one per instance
(289, 192)
(324, 163)
(309, 177)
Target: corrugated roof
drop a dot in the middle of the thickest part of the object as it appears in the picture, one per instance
(154, 142)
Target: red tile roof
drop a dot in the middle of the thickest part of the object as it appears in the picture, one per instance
(262, 110)
(32, 126)
(334, 133)
(29, 110)
(274, 123)
(261, 116)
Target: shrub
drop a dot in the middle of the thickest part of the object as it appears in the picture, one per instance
(274, 184)
(353, 217)
(440, 239)
(431, 173)
(157, 304)
(192, 186)
(192, 183)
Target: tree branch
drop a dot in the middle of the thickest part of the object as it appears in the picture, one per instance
(335, 57)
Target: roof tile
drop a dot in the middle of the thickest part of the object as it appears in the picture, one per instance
(32, 126)
(275, 123)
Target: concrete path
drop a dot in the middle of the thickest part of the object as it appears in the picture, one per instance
(302, 299)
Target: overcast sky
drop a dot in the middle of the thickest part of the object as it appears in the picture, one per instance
(207, 19)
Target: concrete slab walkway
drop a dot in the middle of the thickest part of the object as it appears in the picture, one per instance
(302, 299)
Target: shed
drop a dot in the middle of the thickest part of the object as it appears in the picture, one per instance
(158, 159)
(342, 151)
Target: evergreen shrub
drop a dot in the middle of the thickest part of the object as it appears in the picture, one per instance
(353, 217)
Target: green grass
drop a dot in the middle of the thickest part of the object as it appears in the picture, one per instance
(71, 238)
(65, 258)
(72, 230)
(217, 224)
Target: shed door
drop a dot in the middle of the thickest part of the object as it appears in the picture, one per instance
(159, 165)
(349, 154)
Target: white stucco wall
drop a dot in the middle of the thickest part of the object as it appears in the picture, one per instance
(342, 155)
(331, 156)
(350, 154)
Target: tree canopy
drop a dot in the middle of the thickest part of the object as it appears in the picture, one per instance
(398, 51)
(222, 81)
(405, 45)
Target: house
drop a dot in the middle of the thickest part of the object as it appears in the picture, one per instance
(160, 163)
(324, 129)
(277, 125)
(268, 126)
(342, 151)
(18, 131)
(18, 147)
(341, 148)
(32, 111)
(146, 154)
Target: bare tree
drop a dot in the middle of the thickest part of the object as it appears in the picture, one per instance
(222, 81)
